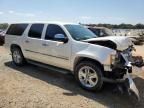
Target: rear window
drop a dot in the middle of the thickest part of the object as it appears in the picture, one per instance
(16, 29)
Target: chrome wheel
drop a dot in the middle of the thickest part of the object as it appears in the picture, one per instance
(88, 76)
(17, 56)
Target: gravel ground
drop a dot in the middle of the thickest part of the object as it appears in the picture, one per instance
(35, 87)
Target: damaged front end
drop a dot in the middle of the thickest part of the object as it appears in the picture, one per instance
(121, 66)
(121, 63)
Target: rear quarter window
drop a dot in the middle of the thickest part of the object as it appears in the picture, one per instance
(16, 29)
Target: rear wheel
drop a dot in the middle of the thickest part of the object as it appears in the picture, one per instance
(17, 56)
(89, 76)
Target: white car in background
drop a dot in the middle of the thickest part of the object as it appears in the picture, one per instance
(73, 48)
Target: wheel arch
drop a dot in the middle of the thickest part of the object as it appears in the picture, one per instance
(81, 59)
(15, 46)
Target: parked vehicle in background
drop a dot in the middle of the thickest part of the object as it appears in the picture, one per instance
(141, 35)
(136, 36)
(73, 48)
(137, 40)
(2, 37)
(101, 31)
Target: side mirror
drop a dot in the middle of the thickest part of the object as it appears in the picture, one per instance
(61, 38)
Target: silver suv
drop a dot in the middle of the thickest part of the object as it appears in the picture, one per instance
(71, 47)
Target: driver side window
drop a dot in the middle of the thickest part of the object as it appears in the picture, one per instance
(52, 30)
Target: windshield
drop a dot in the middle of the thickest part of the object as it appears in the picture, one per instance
(79, 33)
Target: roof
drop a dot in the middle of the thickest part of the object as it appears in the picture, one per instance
(45, 22)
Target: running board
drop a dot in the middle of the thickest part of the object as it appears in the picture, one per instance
(49, 67)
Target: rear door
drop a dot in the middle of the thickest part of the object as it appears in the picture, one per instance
(33, 43)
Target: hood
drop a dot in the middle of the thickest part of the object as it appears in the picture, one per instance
(114, 42)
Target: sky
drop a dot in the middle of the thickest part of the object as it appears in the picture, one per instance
(83, 11)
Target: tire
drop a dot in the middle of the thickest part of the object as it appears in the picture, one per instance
(85, 80)
(18, 57)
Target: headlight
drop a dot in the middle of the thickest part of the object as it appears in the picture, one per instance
(112, 59)
(115, 58)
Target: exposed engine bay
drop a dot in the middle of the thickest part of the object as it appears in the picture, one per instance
(106, 43)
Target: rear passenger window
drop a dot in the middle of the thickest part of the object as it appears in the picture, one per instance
(52, 30)
(16, 29)
(36, 30)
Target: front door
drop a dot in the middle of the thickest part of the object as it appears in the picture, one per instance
(55, 52)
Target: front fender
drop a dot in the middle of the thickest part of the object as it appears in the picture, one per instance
(96, 52)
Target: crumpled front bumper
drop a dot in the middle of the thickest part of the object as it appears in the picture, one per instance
(122, 69)
(131, 66)
(131, 87)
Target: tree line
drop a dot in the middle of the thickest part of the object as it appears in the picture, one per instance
(119, 26)
(3, 26)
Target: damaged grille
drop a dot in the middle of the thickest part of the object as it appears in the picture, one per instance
(127, 55)
(123, 58)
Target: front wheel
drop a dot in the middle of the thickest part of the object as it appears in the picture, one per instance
(89, 76)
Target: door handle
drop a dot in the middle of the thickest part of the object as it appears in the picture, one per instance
(44, 44)
(27, 41)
